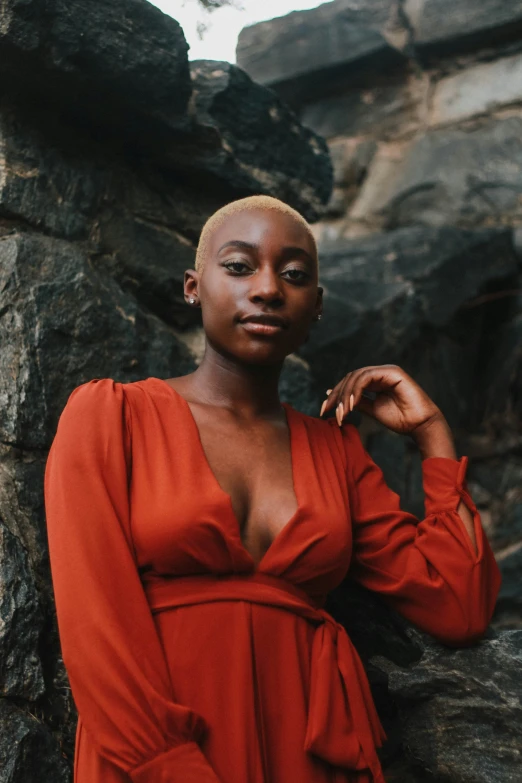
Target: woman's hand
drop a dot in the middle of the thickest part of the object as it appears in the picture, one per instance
(400, 403)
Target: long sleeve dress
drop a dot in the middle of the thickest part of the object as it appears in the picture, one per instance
(189, 663)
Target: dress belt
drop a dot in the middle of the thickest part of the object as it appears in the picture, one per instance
(343, 727)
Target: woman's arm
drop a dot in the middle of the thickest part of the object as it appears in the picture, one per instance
(429, 570)
(111, 649)
(435, 439)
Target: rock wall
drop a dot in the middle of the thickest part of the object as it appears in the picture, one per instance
(420, 102)
(114, 150)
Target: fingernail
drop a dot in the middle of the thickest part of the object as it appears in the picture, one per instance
(351, 401)
(323, 406)
(339, 411)
(328, 391)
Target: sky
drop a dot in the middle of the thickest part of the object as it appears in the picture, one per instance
(224, 24)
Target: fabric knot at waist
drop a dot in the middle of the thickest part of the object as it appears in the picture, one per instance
(343, 727)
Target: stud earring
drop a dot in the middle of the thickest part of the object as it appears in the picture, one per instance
(319, 317)
(192, 300)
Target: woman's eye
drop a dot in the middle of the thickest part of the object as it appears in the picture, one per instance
(232, 265)
(301, 276)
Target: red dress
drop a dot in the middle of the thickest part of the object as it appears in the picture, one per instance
(188, 663)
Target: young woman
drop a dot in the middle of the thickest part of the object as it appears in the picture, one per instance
(197, 524)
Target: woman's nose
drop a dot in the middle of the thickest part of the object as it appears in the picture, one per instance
(266, 285)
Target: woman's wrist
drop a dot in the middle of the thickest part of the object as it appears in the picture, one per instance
(435, 439)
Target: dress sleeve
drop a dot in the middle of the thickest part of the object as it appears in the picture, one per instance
(111, 649)
(427, 570)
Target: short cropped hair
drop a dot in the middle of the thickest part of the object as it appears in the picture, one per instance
(240, 205)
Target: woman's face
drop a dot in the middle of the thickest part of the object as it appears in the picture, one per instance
(259, 263)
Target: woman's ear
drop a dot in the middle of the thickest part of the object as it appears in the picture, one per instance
(191, 286)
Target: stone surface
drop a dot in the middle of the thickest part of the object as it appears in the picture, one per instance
(62, 318)
(460, 710)
(398, 298)
(110, 57)
(448, 176)
(306, 53)
(509, 603)
(53, 189)
(446, 26)
(93, 69)
(250, 139)
(149, 262)
(29, 753)
(21, 623)
(387, 105)
(477, 90)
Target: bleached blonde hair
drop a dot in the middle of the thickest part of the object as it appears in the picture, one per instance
(240, 205)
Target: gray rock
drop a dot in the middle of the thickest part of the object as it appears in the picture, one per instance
(444, 26)
(394, 298)
(380, 107)
(21, 623)
(448, 176)
(297, 388)
(115, 59)
(477, 90)
(509, 603)
(54, 189)
(79, 325)
(306, 53)
(247, 137)
(460, 709)
(29, 753)
(148, 261)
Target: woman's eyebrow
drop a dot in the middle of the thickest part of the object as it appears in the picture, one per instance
(240, 244)
(286, 252)
(297, 251)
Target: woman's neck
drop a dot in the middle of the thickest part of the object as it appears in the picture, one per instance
(251, 390)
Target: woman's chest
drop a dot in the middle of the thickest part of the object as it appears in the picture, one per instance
(200, 505)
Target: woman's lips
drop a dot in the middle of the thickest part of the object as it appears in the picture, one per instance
(254, 327)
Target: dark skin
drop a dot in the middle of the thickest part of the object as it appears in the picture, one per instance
(263, 261)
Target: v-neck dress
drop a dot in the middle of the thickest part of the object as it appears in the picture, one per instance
(189, 663)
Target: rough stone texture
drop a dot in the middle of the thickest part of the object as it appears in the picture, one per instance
(448, 176)
(461, 710)
(123, 54)
(63, 318)
(235, 117)
(308, 52)
(389, 294)
(446, 26)
(477, 90)
(28, 751)
(55, 190)
(21, 623)
(385, 106)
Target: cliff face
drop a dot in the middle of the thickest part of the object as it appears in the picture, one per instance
(113, 152)
(420, 102)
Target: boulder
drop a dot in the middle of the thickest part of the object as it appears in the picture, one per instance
(64, 318)
(28, 750)
(307, 53)
(21, 623)
(109, 62)
(445, 27)
(477, 90)
(118, 77)
(248, 138)
(399, 298)
(459, 709)
(52, 187)
(384, 106)
(447, 177)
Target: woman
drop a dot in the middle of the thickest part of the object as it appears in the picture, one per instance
(196, 525)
